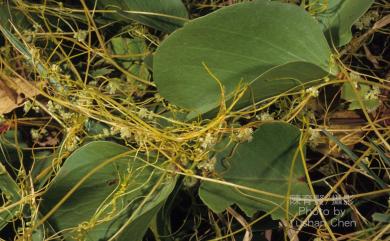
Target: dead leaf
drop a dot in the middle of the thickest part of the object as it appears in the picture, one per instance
(13, 92)
(382, 22)
(10, 93)
(291, 233)
(268, 234)
(4, 127)
(355, 44)
(345, 117)
(248, 230)
(347, 126)
(372, 58)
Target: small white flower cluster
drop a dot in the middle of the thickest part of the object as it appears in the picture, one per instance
(315, 137)
(29, 36)
(113, 86)
(37, 134)
(106, 132)
(72, 143)
(265, 116)
(30, 106)
(355, 78)
(208, 165)
(366, 161)
(312, 91)
(52, 107)
(55, 69)
(35, 55)
(82, 99)
(373, 94)
(326, 79)
(158, 97)
(141, 137)
(122, 131)
(81, 35)
(65, 115)
(145, 114)
(244, 135)
(365, 21)
(93, 83)
(208, 141)
(125, 132)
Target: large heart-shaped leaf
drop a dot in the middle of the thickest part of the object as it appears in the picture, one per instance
(240, 43)
(338, 16)
(159, 14)
(265, 164)
(123, 194)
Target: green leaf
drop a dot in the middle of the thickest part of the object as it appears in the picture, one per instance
(140, 70)
(263, 164)
(381, 152)
(21, 47)
(131, 49)
(10, 192)
(10, 152)
(103, 71)
(366, 94)
(161, 225)
(381, 217)
(252, 42)
(159, 14)
(338, 16)
(42, 162)
(117, 192)
(134, 52)
(9, 14)
(38, 234)
(94, 127)
(138, 227)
